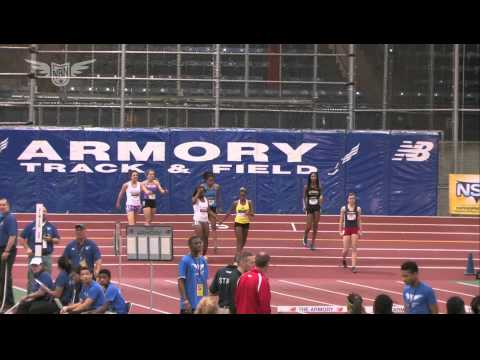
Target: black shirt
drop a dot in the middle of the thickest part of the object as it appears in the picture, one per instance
(224, 285)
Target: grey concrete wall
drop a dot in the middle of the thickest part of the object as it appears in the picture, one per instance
(468, 163)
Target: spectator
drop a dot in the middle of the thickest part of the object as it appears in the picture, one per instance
(418, 297)
(114, 301)
(91, 295)
(8, 252)
(67, 284)
(475, 305)
(355, 304)
(252, 295)
(208, 305)
(83, 252)
(192, 277)
(383, 304)
(39, 300)
(225, 282)
(455, 305)
(50, 238)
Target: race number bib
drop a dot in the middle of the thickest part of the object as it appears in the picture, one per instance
(199, 289)
(151, 197)
(203, 210)
(313, 201)
(211, 202)
(351, 217)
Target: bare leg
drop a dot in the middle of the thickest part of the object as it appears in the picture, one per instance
(205, 234)
(131, 216)
(213, 223)
(147, 212)
(354, 250)
(239, 236)
(244, 238)
(346, 246)
(316, 219)
(308, 227)
(153, 212)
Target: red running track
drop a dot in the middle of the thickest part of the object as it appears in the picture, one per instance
(440, 246)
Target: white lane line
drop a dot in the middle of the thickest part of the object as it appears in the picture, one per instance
(301, 298)
(378, 289)
(444, 290)
(146, 290)
(152, 309)
(294, 227)
(468, 284)
(281, 265)
(310, 257)
(319, 289)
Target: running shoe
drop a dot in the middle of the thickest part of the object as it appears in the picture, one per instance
(344, 263)
(354, 269)
(312, 247)
(305, 241)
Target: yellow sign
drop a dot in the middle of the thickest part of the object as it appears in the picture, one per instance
(464, 194)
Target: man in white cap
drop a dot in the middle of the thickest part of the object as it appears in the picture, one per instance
(38, 297)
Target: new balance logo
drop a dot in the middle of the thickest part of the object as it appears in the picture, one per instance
(345, 159)
(3, 145)
(420, 151)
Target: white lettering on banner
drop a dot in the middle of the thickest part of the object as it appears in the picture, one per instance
(101, 168)
(238, 149)
(54, 167)
(127, 168)
(78, 150)
(211, 151)
(295, 155)
(39, 149)
(239, 169)
(30, 166)
(127, 148)
(218, 168)
(277, 170)
(81, 168)
(305, 169)
(257, 169)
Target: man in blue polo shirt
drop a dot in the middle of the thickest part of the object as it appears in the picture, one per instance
(50, 238)
(83, 252)
(91, 295)
(8, 252)
(192, 277)
(418, 297)
(114, 301)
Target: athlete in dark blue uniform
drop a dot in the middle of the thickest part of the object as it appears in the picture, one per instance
(212, 194)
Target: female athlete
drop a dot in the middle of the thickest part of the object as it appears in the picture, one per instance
(312, 200)
(201, 212)
(133, 189)
(245, 213)
(350, 229)
(150, 202)
(212, 193)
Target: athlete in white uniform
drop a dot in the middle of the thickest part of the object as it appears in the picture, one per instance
(201, 211)
(133, 189)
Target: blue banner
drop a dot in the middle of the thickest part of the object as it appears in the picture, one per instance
(82, 170)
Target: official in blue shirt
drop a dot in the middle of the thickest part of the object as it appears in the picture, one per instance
(39, 300)
(8, 252)
(114, 301)
(50, 237)
(192, 277)
(91, 295)
(418, 297)
(83, 252)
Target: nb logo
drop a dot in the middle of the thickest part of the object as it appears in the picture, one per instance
(420, 151)
(3, 145)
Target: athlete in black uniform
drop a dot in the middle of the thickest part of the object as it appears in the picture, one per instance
(312, 200)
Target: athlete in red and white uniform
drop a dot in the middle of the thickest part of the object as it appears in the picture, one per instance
(350, 229)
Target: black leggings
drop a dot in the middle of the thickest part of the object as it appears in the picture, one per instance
(38, 307)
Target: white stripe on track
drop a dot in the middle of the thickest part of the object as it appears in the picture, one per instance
(444, 290)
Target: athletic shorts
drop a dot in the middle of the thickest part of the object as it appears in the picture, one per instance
(150, 203)
(245, 226)
(350, 231)
(312, 208)
(133, 208)
(196, 222)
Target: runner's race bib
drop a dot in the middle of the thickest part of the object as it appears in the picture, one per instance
(351, 217)
(203, 210)
(313, 201)
(199, 289)
(151, 197)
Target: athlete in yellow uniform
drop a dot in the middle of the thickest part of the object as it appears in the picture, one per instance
(245, 212)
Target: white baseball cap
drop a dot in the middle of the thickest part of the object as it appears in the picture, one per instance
(36, 261)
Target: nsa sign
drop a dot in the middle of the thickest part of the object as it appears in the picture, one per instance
(81, 170)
